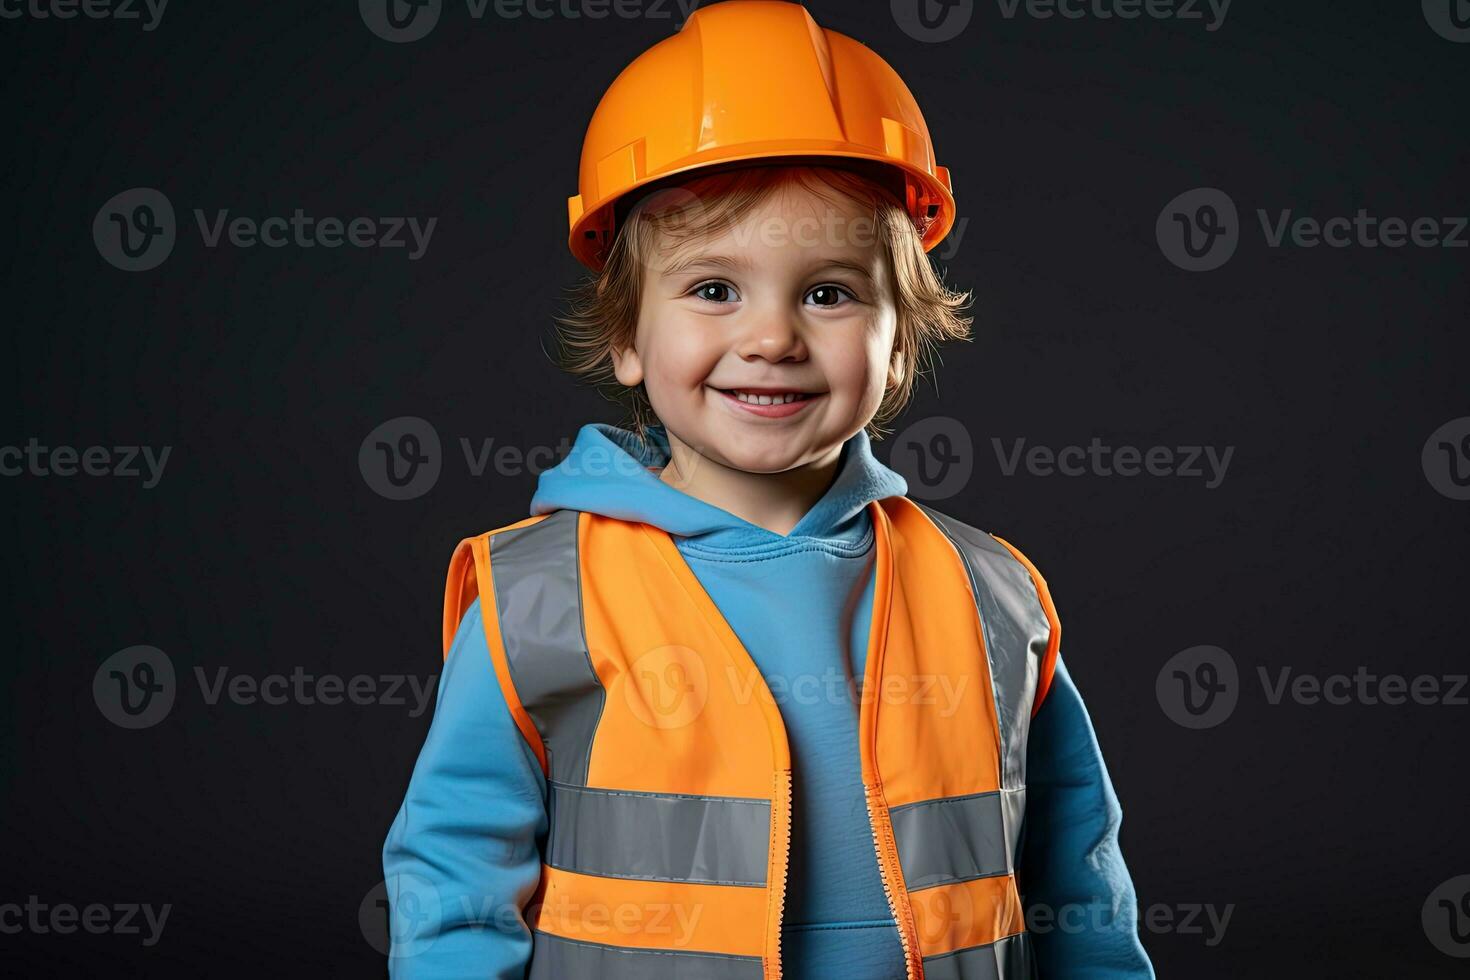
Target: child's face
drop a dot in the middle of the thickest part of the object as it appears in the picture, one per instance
(767, 347)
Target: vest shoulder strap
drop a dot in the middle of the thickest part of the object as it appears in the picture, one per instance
(469, 579)
(981, 551)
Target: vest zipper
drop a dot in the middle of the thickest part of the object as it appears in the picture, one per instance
(887, 851)
(781, 861)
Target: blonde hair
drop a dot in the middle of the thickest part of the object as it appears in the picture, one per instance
(602, 313)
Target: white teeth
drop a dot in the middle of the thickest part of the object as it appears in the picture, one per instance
(748, 398)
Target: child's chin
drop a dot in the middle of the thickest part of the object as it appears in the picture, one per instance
(760, 451)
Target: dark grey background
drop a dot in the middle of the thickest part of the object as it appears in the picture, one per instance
(263, 548)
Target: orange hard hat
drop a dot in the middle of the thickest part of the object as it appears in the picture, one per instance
(745, 81)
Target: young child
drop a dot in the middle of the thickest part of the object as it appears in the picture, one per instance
(729, 705)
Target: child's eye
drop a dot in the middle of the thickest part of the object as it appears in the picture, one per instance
(714, 291)
(830, 294)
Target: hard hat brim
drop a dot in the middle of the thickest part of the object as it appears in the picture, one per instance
(932, 208)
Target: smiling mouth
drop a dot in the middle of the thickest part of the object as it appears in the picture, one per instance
(768, 395)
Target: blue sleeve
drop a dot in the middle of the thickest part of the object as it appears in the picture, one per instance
(464, 854)
(1074, 883)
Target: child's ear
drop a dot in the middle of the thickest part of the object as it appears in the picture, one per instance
(898, 369)
(627, 367)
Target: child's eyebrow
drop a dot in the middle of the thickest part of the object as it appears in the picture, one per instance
(858, 267)
(711, 261)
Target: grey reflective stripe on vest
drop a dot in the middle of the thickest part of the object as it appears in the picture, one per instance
(1016, 635)
(539, 604)
(718, 840)
(956, 838)
(1007, 959)
(558, 958)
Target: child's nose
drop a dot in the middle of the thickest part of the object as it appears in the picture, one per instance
(772, 337)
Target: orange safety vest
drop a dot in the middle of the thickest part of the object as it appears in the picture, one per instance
(667, 766)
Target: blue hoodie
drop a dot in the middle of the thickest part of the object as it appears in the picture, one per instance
(801, 605)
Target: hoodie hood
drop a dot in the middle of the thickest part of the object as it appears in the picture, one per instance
(610, 471)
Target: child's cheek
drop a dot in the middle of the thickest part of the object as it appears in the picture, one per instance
(686, 359)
